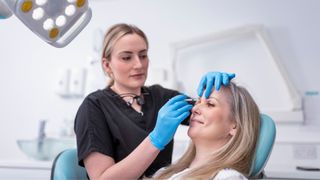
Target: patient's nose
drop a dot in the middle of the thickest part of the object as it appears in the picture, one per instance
(196, 108)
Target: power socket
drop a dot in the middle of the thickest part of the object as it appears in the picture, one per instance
(305, 151)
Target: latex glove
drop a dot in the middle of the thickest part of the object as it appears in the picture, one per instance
(213, 78)
(169, 117)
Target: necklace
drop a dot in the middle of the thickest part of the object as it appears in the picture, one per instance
(131, 97)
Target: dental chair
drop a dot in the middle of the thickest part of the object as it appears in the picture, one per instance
(264, 147)
(65, 166)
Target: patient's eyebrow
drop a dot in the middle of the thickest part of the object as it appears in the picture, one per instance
(212, 97)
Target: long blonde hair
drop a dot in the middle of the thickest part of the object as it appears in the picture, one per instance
(113, 35)
(238, 152)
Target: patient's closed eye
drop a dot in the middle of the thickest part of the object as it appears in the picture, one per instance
(210, 104)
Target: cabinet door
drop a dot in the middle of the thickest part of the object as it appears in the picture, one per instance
(21, 173)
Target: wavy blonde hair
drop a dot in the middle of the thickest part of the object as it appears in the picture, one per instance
(238, 152)
(111, 37)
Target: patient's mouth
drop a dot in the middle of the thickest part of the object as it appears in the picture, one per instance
(196, 121)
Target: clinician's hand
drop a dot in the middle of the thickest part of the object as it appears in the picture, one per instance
(213, 78)
(169, 117)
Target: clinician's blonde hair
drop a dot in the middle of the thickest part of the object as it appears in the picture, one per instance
(238, 152)
(111, 37)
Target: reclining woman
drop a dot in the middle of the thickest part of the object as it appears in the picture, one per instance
(224, 131)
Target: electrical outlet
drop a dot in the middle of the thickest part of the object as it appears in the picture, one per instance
(305, 151)
(62, 84)
(77, 82)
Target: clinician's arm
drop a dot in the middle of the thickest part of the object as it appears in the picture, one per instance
(100, 166)
(213, 78)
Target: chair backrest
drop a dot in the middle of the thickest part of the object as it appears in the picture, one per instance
(65, 166)
(264, 146)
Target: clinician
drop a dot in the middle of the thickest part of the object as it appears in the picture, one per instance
(125, 131)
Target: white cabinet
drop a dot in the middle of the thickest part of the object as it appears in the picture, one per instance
(17, 170)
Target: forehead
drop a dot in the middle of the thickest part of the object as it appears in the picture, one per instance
(223, 94)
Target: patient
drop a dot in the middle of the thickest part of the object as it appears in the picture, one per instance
(224, 131)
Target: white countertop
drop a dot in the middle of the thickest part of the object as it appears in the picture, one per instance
(290, 172)
(26, 164)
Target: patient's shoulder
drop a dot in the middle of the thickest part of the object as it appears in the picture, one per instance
(229, 174)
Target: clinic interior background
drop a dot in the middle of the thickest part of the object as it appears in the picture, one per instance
(31, 70)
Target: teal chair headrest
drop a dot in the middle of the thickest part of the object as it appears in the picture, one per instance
(265, 143)
(65, 167)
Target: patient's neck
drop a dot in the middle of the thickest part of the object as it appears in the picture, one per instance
(204, 152)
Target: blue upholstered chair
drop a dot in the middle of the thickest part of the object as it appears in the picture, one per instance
(65, 165)
(266, 140)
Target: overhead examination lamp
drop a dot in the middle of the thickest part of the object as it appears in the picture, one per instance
(57, 22)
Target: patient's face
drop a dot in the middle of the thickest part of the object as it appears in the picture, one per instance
(210, 119)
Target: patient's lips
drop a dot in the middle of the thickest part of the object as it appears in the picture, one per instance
(195, 121)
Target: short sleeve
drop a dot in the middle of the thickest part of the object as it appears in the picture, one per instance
(157, 173)
(92, 130)
(229, 174)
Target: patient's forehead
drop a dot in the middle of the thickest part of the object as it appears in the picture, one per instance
(224, 93)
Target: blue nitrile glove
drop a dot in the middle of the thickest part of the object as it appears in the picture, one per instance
(213, 78)
(169, 117)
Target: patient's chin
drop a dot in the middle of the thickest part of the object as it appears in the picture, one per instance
(193, 132)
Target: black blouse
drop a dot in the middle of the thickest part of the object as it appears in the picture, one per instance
(106, 124)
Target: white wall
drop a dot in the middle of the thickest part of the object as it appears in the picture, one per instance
(28, 66)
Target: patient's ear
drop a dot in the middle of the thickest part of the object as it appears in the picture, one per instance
(233, 130)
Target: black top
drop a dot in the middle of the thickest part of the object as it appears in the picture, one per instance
(106, 124)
